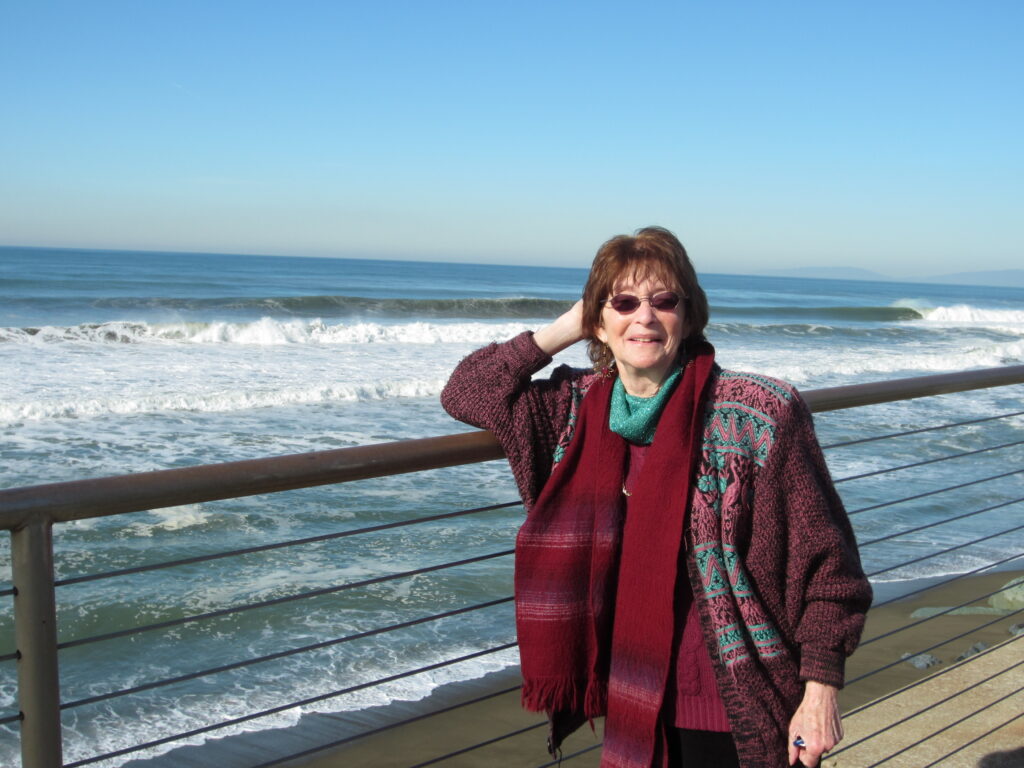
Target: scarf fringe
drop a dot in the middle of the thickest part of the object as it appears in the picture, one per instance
(596, 703)
(558, 694)
(566, 695)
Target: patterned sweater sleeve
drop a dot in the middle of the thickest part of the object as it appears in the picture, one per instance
(493, 389)
(827, 593)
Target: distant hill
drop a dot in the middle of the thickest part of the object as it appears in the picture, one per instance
(998, 277)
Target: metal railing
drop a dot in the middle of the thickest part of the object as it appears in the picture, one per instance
(30, 513)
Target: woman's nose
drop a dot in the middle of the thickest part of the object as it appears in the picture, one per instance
(644, 313)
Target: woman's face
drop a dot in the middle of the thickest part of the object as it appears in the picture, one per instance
(645, 342)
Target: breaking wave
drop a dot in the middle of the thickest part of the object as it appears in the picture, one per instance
(352, 306)
(265, 332)
(240, 400)
(961, 314)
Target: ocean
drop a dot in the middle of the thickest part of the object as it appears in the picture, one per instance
(119, 362)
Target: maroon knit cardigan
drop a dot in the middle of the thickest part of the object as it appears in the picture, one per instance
(770, 552)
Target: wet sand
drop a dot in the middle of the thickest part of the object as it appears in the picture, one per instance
(423, 741)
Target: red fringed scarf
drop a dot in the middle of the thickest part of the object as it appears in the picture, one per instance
(578, 563)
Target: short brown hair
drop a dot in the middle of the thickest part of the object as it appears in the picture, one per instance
(651, 251)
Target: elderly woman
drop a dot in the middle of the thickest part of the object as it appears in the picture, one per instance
(686, 568)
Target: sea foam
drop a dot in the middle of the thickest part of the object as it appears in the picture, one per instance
(266, 332)
(960, 314)
(240, 400)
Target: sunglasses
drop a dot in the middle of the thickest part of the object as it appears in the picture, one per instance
(627, 303)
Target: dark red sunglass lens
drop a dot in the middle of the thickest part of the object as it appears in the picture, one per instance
(624, 303)
(664, 301)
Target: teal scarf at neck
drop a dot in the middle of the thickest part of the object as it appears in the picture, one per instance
(635, 417)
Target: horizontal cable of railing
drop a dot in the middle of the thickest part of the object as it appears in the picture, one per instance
(974, 741)
(570, 756)
(270, 657)
(947, 550)
(100, 497)
(945, 728)
(480, 745)
(926, 462)
(946, 581)
(937, 614)
(281, 600)
(284, 654)
(936, 492)
(934, 676)
(923, 710)
(920, 430)
(387, 727)
(933, 646)
(282, 544)
(291, 705)
(944, 521)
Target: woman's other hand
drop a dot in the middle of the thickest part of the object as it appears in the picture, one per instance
(817, 723)
(563, 332)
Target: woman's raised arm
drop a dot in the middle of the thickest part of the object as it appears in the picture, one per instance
(493, 389)
(565, 331)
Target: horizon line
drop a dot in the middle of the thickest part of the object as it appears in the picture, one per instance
(784, 273)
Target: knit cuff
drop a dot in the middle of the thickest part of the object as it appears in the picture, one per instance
(823, 665)
(527, 353)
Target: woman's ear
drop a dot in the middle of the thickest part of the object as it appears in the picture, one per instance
(601, 334)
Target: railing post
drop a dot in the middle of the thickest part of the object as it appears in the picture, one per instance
(35, 633)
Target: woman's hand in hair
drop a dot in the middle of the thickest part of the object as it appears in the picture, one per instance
(565, 331)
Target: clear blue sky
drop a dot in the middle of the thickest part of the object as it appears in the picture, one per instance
(884, 135)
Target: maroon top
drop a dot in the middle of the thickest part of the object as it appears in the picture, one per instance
(697, 704)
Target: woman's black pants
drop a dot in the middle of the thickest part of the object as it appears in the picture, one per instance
(701, 749)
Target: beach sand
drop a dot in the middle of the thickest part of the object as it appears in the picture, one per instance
(423, 741)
